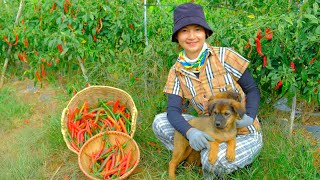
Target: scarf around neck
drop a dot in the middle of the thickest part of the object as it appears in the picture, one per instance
(195, 64)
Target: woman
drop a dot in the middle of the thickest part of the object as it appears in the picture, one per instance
(199, 72)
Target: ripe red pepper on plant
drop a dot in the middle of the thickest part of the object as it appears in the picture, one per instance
(292, 66)
(264, 61)
(279, 84)
(17, 40)
(26, 43)
(258, 47)
(60, 48)
(259, 34)
(38, 76)
(312, 60)
(43, 72)
(53, 7)
(65, 8)
(248, 45)
(22, 57)
(268, 34)
(6, 40)
(131, 27)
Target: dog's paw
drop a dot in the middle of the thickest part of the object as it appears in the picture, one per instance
(230, 157)
(212, 160)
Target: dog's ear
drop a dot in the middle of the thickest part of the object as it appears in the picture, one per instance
(238, 108)
(211, 106)
(228, 95)
(234, 95)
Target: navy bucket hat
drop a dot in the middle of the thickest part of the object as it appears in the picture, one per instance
(187, 14)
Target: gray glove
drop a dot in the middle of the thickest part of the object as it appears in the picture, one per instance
(244, 122)
(198, 139)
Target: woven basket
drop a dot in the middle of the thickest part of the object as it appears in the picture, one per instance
(94, 144)
(92, 94)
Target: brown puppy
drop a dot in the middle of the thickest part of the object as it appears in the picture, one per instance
(224, 109)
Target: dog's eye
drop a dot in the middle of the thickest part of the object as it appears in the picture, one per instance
(227, 114)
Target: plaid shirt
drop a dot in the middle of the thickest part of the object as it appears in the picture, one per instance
(220, 72)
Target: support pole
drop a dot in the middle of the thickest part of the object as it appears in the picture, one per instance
(4, 68)
(145, 22)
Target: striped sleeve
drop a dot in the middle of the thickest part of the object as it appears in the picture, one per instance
(234, 63)
(173, 84)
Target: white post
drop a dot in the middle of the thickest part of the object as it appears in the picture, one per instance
(293, 112)
(145, 22)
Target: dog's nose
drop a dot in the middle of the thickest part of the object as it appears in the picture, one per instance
(218, 124)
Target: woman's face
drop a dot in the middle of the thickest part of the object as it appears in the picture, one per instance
(191, 38)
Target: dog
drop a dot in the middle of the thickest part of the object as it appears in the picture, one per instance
(224, 109)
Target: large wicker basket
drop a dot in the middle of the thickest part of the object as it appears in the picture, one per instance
(94, 144)
(92, 94)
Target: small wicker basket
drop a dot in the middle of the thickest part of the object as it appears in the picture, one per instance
(92, 94)
(95, 143)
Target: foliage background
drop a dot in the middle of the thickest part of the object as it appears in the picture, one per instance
(107, 37)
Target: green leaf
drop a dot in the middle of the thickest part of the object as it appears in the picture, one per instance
(64, 51)
(287, 18)
(312, 18)
(304, 75)
(315, 8)
(317, 31)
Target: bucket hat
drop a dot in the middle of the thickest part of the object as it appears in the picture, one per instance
(187, 14)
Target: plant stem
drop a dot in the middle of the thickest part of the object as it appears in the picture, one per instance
(10, 45)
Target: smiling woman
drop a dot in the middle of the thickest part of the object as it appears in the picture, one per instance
(202, 71)
(191, 38)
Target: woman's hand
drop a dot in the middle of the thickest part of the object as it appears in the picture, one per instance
(198, 139)
(244, 122)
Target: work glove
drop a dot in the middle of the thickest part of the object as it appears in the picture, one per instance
(244, 122)
(198, 140)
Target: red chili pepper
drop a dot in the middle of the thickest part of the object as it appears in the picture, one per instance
(248, 45)
(131, 27)
(279, 84)
(22, 21)
(68, 2)
(258, 47)
(259, 34)
(26, 43)
(116, 105)
(21, 57)
(49, 64)
(292, 66)
(268, 34)
(38, 76)
(312, 60)
(94, 37)
(60, 48)
(65, 8)
(6, 40)
(53, 7)
(43, 72)
(264, 61)
(17, 40)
